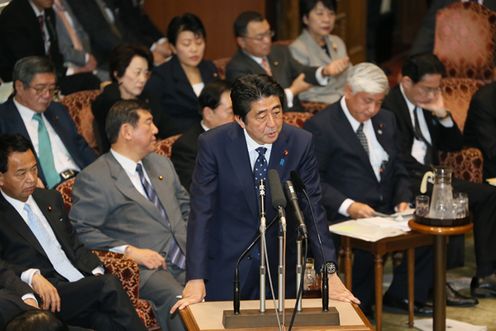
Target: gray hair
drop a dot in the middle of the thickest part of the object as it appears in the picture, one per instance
(26, 68)
(369, 78)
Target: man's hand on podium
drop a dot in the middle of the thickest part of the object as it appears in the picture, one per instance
(193, 292)
(337, 290)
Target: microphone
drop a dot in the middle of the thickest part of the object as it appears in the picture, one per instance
(278, 199)
(294, 202)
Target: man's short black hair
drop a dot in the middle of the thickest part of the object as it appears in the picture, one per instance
(34, 320)
(186, 22)
(122, 112)
(11, 143)
(26, 68)
(417, 66)
(249, 88)
(211, 94)
(242, 21)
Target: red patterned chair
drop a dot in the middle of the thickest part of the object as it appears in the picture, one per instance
(164, 146)
(296, 118)
(221, 66)
(79, 106)
(457, 92)
(465, 40)
(124, 269)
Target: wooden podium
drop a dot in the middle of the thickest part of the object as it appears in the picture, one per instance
(208, 315)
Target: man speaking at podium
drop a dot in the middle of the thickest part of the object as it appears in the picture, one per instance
(224, 215)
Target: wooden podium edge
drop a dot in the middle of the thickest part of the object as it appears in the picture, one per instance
(191, 325)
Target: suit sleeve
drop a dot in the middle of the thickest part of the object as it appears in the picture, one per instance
(10, 281)
(89, 212)
(203, 202)
(310, 177)
(297, 68)
(332, 198)
(483, 124)
(183, 158)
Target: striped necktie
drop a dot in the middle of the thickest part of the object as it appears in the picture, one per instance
(363, 139)
(176, 256)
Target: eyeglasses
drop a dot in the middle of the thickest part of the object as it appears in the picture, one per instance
(260, 37)
(429, 90)
(42, 89)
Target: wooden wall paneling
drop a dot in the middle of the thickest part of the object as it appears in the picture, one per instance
(217, 16)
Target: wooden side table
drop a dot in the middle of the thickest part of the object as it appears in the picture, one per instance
(440, 237)
(408, 241)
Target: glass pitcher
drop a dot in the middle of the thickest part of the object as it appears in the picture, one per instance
(442, 193)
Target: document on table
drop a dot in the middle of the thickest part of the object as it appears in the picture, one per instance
(373, 228)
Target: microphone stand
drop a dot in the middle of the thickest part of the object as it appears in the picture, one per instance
(282, 263)
(263, 227)
(299, 272)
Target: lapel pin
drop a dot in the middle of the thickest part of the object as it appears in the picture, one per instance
(61, 219)
(49, 208)
(285, 152)
(160, 177)
(275, 63)
(334, 47)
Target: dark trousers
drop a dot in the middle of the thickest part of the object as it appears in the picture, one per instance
(363, 277)
(482, 204)
(99, 303)
(11, 305)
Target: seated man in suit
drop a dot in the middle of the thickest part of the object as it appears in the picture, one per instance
(15, 296)
(426, 127)
(480, 126)
(361, 173)
(224, 213)
(216, 109)
(38, 243)
(27, 28)
(130, 201)
(257, 55)
(60, 150)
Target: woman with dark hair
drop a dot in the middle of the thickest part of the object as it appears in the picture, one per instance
(178, 82)
(316, 46)
(129, 68)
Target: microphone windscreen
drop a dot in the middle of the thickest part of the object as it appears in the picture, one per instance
(278, 198)
(297, 182)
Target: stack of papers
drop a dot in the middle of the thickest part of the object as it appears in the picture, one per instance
(374, 228)
(453, 325)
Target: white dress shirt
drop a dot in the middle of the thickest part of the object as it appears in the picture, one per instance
(419, 147)
(61, 157)
(27, 275)
(377, 155)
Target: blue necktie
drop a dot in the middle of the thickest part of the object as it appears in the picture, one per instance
(175, 254)
(55, 254)
(260, 168)
(45, 156)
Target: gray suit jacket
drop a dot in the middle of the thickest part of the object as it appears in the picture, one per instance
(306, 51)
(71, 55)
(108, 211)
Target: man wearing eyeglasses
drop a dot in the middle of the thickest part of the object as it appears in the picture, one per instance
(257, 55)
(426, 127)
(61, 152)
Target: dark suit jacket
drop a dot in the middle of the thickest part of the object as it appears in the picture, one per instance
(184, 152)
(178, 101)
(345, 168)
(424, 40)
(20, 36)
(9, 281)
(480, 126)
(20, 248)
(443, 139)
(11, 122)
(284, 68)
(224, 210)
